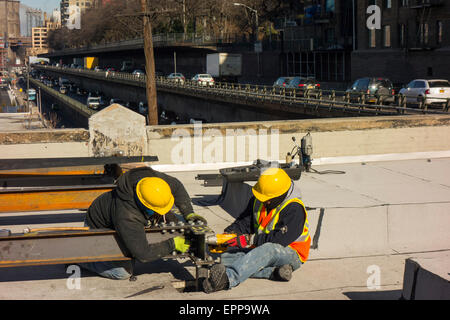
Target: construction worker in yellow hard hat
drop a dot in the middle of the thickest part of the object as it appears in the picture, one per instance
(143, 197)
(272, 235)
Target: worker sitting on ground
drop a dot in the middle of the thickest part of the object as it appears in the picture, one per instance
(275, 224)
(143, 197)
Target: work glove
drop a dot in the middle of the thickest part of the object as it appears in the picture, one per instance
(240, 241)
(195, 217)
(181, 244)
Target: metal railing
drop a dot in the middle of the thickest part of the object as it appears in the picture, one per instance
(313, 99)
(72, 103)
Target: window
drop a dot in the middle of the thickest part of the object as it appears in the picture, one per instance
(419, 84)
(387, 4)
(439, 31)
(387, 36)
(372, 39)
(423, 33)
(403, 3)
(439, 84)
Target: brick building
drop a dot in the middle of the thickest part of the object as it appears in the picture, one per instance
(9, 29)
(413, 40)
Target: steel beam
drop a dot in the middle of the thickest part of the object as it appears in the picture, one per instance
(14, 164)
(66, 247)
(14, 181)
(50, 198)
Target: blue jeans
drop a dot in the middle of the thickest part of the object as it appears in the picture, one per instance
(259, 262)
(109, 269)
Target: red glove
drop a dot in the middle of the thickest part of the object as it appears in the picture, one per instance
(239, 241)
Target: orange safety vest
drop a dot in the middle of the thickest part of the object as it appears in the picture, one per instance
(264, 223)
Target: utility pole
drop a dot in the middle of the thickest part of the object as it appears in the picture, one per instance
(150, 67)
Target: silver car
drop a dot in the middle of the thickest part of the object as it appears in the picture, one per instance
(93, 102)
(203, 79)
(427, 91)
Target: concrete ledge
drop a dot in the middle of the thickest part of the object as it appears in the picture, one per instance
(43, 136)
(315, 125)
(427, 278)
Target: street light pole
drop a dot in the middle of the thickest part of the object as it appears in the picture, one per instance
(255, 34)
(254, 11)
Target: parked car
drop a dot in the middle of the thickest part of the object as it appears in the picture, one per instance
(301, 84)
(110, 71)
(73, 88)
(381, 88)
(168, 117)
(143, 108)
(138, 72)
(203, 79)
(177, 77)
(93, 102)
(132, 106)
(118, 101)
(81, 91)
(63, 89)
(282, 82)
(3, 83)
(430, 92)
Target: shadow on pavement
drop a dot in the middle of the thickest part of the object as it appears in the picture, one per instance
(375, 295)
(52, 272)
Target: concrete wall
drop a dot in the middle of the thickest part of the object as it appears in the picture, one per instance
(344, 137)
(233, 142)
(350, 138)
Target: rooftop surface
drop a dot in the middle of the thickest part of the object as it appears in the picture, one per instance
(372, 217)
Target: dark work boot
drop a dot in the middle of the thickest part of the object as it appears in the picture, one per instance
(283, 273)
(217, 280)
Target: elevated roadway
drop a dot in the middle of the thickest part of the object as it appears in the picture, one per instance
(246, 102)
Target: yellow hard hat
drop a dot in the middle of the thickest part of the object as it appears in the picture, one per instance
(155, 194)
(272, 183)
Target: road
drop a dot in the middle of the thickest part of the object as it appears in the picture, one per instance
(4, 98)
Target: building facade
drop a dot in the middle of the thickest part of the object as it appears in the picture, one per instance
(71, 10)
(411, 41)
(317, 41)
(40, 35)
(9, 30)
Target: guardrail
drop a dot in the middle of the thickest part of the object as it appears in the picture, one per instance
(313, 99)
(72, 103)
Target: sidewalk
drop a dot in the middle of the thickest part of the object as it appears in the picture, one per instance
(365, 222)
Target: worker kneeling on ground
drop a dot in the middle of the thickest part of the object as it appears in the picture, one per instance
(143, 197)
(272, 236)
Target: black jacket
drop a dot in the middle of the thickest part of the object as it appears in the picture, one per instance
(118, 210)
(292, 217)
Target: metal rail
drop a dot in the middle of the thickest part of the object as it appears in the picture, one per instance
(313, 100)
(72, 247)
(12, 164)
